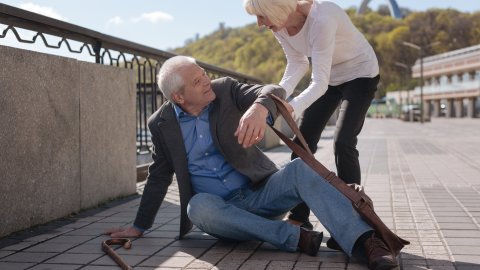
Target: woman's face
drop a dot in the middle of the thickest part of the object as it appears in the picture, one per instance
(264, 21)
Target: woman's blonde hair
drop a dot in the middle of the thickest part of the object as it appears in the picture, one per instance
(277, 11)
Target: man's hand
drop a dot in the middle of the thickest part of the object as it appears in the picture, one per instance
(121, 232)
(251, 127)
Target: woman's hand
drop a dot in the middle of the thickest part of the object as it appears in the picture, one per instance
(251, 127)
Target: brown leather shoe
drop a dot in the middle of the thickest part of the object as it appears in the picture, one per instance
(310, 241)
(378, 255)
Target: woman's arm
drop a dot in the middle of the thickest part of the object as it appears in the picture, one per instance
(323, 40)
(297, 66)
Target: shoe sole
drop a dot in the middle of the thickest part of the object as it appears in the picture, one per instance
(383, 265)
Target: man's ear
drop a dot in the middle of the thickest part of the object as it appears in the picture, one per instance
(178, 98)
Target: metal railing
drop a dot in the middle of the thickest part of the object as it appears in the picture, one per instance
(107, 50)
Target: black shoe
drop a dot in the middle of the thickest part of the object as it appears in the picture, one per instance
(307, 225)
(309, 241)
(378, 255)
(331, 243)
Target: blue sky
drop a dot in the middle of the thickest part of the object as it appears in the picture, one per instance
(165, 24)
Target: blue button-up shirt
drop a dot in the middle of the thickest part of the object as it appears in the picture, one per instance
(209, 171)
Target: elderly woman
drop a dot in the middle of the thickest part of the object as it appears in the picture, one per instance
(344, 72)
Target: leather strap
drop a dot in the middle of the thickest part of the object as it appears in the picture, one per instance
(359, 202)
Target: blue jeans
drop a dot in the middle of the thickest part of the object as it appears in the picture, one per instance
(249, 214)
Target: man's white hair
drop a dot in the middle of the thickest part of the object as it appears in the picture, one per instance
(277, 11)
(168, 79)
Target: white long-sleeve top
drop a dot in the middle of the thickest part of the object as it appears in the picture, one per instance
(338, 51)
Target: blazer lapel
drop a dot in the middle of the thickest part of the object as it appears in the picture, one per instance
(172, 135)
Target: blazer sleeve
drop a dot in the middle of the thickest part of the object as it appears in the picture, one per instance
(244, 95)
(160, 176)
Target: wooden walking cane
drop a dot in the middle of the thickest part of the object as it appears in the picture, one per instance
(360, 201)
(125, 242)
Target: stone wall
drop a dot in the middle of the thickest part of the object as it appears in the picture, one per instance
(67, 136)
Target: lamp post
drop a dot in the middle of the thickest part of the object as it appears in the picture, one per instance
(421, 51)
(403, 81)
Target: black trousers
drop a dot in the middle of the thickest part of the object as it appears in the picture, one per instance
(354, 98)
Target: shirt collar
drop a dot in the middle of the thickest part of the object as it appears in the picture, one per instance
(180, 113)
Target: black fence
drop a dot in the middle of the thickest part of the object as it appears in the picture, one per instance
(102, 49)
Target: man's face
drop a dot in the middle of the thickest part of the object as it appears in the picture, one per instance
(197, 92)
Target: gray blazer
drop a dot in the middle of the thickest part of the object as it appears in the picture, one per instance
(169, 156)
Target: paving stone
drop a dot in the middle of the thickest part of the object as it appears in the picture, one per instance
(212, 258)
(50, 247)
(254, 264)
(15, 265)
(99, 267)
(46, 266)
(461, 233)
(228, 265)
(139, 250)
(435, 263)
(5, 253)
(129, 259)
(193, 243)
(453, 219)
(415, 262)
(280, 265)
(306, 265)
(465, 250)
(159, 261)
(463, 241)
(74, 239)
(467, 261)
(324, 257)
(19, 246)
(151, 241)
(163, 234)
(86, 249)
(97, 239)
(181, 252)
(354, 266)
(333, 266)
(73, 258)
(201, 264)
(238, 256)
(28, 257)
(275, 255)
(457, 226)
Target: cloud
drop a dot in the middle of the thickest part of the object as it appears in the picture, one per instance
(154, 17)
(115, 20)
(46, 11)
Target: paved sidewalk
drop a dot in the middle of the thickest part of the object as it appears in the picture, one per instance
(424, 180)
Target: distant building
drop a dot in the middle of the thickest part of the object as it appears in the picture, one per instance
(451, 83)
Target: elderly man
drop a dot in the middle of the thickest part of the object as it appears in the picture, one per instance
(230, 190)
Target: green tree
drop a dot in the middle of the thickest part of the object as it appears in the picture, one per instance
(255, 51)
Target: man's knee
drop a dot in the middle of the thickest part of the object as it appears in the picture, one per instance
(202, 207)
(300, 165)
(303, 172)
